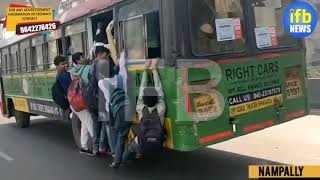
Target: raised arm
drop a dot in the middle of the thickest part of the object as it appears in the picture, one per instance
(161, 106)
(123, 69)
(112, 46)
(143, 85)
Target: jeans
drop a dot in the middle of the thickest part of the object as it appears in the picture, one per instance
(121, 133)
(131, 151)
(103, 146)
(111, 134)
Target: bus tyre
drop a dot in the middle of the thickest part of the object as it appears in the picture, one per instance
(76, 129)
(22, 119)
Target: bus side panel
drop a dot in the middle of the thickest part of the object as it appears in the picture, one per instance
(253, 94)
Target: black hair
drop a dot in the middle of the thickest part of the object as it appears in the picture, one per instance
(101, 49)
(76, 57)
(58, 60)
(150, 97)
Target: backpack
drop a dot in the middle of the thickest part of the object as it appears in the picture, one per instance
(90, 93)
(152, 133)
(58, 95)
(75, 91)
(118, 98)
(75, 95)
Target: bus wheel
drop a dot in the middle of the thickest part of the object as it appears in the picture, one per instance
(76, 129)
(22, 119)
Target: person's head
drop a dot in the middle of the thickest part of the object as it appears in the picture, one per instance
(100, 25)
(105, 69)
(78, 58)
(61, 63)
(102, 53)
(150, 97)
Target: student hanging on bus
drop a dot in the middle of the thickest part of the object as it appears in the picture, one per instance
(81, 72)
(61, 86)
(149, 133)
(114, 88)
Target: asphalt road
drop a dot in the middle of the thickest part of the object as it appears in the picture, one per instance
(46, 151)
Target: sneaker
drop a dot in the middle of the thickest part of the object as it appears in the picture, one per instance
(114, 165)
(87, 152)
(96, 153)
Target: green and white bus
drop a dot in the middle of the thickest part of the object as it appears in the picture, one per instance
(228, 68)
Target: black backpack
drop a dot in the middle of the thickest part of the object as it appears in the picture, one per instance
(58, 95)
(91, 92)
(152, 133)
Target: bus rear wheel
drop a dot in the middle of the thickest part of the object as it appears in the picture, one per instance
(22, 119)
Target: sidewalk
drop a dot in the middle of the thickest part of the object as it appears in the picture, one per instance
(296, 142)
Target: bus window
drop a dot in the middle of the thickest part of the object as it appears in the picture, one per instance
(205, 16)
(74, 40)
(28, 57)
(153, 35)
(77, 43)
(3, 64)
(134, 38)
(267, 15)
(37, 54)
(8, 62)
(52, 53)
(14, 58)
(23, 56)
(60, 49)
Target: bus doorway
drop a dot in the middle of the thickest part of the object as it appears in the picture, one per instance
(99, 24)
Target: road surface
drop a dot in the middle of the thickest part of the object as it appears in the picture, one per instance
(46, 151)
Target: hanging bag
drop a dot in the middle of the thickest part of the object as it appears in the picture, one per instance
(75, 94)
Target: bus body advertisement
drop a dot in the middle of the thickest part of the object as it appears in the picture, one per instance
(228, 67)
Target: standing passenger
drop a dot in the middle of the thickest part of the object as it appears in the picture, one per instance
(81, 71)
(63, 81)
(114, 88)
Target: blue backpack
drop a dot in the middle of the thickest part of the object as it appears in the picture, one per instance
(119, 99)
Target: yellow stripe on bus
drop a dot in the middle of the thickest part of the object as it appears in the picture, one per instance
(254, 105)
(52, 74)
(169, 138)
(138, 68)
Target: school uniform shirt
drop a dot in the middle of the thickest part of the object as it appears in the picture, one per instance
(161, 107)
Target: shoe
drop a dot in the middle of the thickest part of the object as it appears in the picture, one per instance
(105, 153)
(87, 152)
(96, 153)
(114, 165)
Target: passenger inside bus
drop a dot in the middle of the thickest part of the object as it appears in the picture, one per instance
(204, 14)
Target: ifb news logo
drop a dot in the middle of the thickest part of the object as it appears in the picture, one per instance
(300, 19)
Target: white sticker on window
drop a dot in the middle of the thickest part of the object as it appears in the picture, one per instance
(228, 29)
(266, 37)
